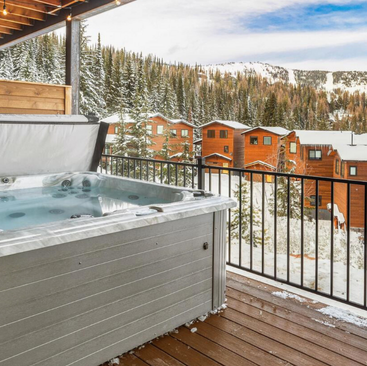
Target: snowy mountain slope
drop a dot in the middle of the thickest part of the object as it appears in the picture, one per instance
(322, 80)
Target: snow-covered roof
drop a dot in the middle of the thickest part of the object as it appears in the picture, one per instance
(351, 152)
(115, 118)
(308, 137)
(174, 121)
(260, 163)
(232, 124)
(219, 155)
(276, 130)
(50, 118)
(198, 141)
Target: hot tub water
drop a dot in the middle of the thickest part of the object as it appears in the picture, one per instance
(20, 208)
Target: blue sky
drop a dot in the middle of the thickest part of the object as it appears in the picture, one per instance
(306, 34)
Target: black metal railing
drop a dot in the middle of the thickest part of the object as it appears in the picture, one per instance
(305, 231)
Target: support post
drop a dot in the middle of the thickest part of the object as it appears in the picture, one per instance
(201, 172)
(72, 71)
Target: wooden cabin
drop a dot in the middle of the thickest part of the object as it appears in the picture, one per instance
(261, 147)
(222, 143)
(311, 153)
(180, 132)
(350, 162)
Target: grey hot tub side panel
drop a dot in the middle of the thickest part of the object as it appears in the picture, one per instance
(85, 302)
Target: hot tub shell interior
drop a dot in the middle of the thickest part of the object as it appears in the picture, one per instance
(83, 291)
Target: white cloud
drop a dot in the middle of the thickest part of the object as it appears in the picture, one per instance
(211, 31)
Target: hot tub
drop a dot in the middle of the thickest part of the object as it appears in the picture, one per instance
(92, 266)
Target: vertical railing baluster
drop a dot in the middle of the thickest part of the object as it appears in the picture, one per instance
(176, 174)
(193, 177)
(147, 168)
(240, 223)
(111, 165)
(365, 249)
(332, 241)
(288, 226)
(154, 172)
(317, 237)
(210, 179)
(348, 241)
(262, 223)
(184, 172)
(275, 225)
(161, 172)
(168, 173)
(251, 218)
(302, 229)
(219, 181)
(229, 219)
(134, 161)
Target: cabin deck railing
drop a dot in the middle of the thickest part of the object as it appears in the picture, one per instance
(304, 231)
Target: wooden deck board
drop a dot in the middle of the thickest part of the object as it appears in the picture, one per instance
(258, 329)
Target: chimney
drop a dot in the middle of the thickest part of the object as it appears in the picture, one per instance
(352, 139)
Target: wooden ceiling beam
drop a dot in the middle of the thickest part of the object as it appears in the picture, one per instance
(9, 25)
(65, 4)
(30, 14)
(15, 19)
(28, 4)
(4, 30)
(55, 3)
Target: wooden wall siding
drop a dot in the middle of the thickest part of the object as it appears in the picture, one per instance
(289, 157)
(85, 302)
(33, 98)
(175, 142)
(266, 153)
(216, 145)
(238, 149)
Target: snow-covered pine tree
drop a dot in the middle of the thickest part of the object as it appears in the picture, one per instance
(242, 215)
(7, 66)
(129, 83)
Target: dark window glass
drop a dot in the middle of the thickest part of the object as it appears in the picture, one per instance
(226, 149)
(267, 140)
(337, 166)
(313, 200)
(253, 140)
(353, 170)
(173, 133)
(342, 169)
(314, 154)
(210, 134)
(223, 134)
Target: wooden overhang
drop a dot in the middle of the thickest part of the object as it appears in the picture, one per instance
(27, 19)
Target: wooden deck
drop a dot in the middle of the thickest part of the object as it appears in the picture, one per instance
(258, 328)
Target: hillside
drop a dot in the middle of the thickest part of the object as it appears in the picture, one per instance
(350, 81)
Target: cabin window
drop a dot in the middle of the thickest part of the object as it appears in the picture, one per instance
(292, 147)
(226, 149)
(107, 150)
(352, 170)
(342, 169)
(223, 134)
(160, 130)
(173, 133)
(149, 129)
(210, 134)
(267, 140)
(253, 140)
(313, 200)
(336, 166)
(184, 133)
(116, 130)
(314, 154)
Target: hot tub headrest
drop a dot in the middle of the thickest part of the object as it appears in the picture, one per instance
(42, 144)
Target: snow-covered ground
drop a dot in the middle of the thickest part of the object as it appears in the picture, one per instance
(324, 247)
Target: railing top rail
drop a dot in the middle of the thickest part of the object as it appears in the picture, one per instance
(149, 160)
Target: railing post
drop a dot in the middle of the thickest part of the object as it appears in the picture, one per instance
(201, 172)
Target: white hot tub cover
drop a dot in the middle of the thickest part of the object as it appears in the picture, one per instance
(39, 144)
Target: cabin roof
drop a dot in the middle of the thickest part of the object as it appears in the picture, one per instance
(115, 118)
(323, 138)
(231, 124)
(351, 152)
(275, 130)
(260, 162)
(31, 18)
(218, 155)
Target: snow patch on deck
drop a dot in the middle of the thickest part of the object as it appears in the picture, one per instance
(343, 315)
(287, 295)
